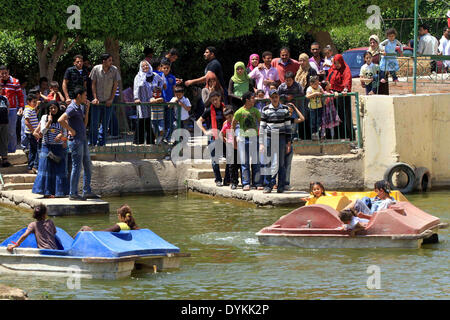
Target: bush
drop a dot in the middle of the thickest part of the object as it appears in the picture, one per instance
(18, 52)
(356, 36)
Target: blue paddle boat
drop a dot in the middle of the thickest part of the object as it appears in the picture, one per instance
(92, 254)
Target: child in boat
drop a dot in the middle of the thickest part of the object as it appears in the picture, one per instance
(317, 190)
(43, 228)
(126, 221)
(367, 206)
(352, 222)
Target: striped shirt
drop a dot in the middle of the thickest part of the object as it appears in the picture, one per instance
(275, 120)
(31, 115)
(12, 90)
(157, 112)
(51, 133)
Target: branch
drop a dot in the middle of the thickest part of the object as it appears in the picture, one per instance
(51, 42)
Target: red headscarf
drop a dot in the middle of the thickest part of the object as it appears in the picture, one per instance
(340, 78)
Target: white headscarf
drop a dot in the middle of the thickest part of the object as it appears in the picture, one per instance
(142, 76)
(142, 89)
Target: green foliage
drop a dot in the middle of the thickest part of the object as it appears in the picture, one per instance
(356, 36)
(18, 53)
(134, 19)
(306, 15)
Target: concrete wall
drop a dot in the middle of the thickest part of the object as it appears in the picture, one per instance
(343, 172)
(413, 128)
(114, 178)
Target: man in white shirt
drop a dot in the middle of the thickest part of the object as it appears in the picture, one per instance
(428, 45)
(444, 47)
(265, 75)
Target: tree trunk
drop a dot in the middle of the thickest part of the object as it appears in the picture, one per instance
(48, 56)
(112, 47)
(324, 38)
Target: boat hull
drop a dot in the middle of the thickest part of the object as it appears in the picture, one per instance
(345, 241)
(30, 262)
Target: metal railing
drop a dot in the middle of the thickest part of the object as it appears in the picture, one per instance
(430, 68)
(343, 129)
(128, 133)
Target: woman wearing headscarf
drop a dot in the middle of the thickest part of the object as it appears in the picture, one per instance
(374, 49)
(212, 84)
(304, 72)
(253, 62)
(302, 76)
(51, 180)
(143, 92)
(340, 78)
(238, 85)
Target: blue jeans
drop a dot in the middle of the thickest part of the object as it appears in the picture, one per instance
(80, 157)
(12, 119)
(315, 116)
(99, 113)
(249, 158)
(276, 164)
(33, 155)
(158, 127)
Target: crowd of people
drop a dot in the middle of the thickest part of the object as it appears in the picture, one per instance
(381, 57)
(304, 99)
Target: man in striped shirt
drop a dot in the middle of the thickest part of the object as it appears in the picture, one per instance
(275, 135)
(10, 88)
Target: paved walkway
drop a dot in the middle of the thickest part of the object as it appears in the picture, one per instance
(55, 206)
(208, 186)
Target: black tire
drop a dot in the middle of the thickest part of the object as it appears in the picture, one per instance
(399, 167)
(423, 179)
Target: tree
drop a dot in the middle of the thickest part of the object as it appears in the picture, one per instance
(317, 17)
(114, 20)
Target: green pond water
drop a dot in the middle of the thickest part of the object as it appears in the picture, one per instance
(229, 263)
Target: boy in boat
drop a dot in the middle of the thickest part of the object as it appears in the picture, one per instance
(43, 228)
(367, 206)
(352, 222)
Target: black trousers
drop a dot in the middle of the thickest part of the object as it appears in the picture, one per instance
(143, 129)
(344, 110)
(232, 170)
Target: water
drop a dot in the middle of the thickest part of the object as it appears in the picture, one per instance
(228, 262)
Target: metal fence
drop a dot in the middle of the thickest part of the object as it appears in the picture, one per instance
(129, 132)
(337, 123)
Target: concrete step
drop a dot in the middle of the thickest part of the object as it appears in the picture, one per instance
(198, 174)
(19, 157)
(19, 178)
(21, 168)
(17, 186)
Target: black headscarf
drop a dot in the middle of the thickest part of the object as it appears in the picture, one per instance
(58, 114)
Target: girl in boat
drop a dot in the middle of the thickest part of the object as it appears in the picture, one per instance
(126, 221)
(43, 228)
(317, 190)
